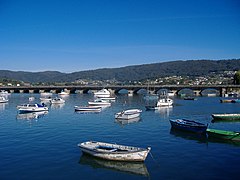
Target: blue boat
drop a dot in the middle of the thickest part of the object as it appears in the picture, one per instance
(188, 125)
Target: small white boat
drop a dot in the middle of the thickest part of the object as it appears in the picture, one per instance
(99, 102)
(114, 151)
(165, 102)
(4, 93)
(46, 94)
(32, 108)
(46, 99)
(88, 108)
(108, 98)
(128, 114)
(3, 99)
(171, 93)
(57, 100)
(102, 93)
(63, 93)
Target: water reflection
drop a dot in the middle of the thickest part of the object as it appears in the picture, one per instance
(164, 111)
(31, 115)
(200, 138)
(57, 106)
(137, 168)
(127, 121)
(2, 106)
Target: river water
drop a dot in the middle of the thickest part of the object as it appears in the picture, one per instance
(45, 146)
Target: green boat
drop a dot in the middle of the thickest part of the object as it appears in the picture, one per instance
(225, 135)
(226, 117)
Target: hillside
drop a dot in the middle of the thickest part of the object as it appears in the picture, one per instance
(137, 72)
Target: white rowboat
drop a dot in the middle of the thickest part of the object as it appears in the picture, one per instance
(114, 151)
(128, 114)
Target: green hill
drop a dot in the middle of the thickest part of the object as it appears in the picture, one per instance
(137, 72)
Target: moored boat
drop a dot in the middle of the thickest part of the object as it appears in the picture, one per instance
(88, 108)
(224, 135)
(3, 99)
(46, 99)
(4, 93)
(99, 102)
(162, 102)
(226, 117)
(226, 100)
(102, 93)
(32, 108)
(128, 114)
(114, 151)
(57, 100)
(63, 93)
(188, 125)
(108, 98)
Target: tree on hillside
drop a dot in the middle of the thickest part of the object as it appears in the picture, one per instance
(237, 78)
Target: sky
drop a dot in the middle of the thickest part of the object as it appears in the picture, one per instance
(77, 35)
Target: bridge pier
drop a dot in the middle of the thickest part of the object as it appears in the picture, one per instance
(197, 93)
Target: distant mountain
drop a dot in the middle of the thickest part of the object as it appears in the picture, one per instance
(137, 72)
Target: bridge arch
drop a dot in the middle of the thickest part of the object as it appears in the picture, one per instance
(185, 92)
(210, 92)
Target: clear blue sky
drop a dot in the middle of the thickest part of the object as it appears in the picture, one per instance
(76, 35)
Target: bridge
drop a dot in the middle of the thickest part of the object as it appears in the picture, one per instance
(132, 89)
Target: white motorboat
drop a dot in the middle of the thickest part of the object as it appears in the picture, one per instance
(114, 151)
(63, 93)
(3, 99)
(162, 102)
(103, 93)
(128, 114)
(4, 93)
(57, 100)
(99, 102)
(165, 102)
(32, 108)
(88, 108)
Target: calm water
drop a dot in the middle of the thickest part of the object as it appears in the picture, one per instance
(46, 147)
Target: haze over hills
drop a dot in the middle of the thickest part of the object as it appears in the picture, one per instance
(130, 73)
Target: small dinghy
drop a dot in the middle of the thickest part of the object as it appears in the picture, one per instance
(88, 108)
(128, 114)
(114, 151)
(188, 125)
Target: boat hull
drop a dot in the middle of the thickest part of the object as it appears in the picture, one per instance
(87, 109)
(226, 117)
(31, 108)
(188, 125)
(224, 135)
(127, 153)
(128, 114)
